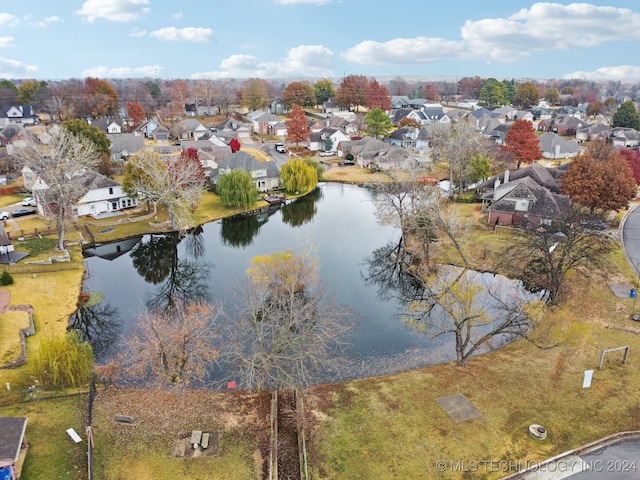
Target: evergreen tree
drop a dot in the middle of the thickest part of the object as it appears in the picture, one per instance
(626, 116)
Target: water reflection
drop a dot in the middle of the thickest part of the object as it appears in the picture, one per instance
(241, 230)
(302, 210)
(180, 278)
(99, 325)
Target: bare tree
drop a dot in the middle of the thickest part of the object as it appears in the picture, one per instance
(547, 254)
(419, 210)
(59, 161)
(457, 145)
(171, 347)
(178, 185)
(480, 316)
(286, 331)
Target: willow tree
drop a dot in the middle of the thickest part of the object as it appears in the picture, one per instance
(59, 161)
(296, 176)
(237, 189)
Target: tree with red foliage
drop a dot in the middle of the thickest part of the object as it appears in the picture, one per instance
(191, 157)
(352, 92)
(297, 126)
(633, 159)
(521, 140)
(378, 96)
(431, 91)
(136, 114)
(235, 145)
(600, 178)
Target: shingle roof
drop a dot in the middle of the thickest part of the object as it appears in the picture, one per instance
(13, 429)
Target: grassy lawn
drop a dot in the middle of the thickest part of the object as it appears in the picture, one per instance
(10, 325)
(51, 453)
(145, 449)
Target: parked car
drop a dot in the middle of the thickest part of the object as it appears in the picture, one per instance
(327, 154)
(21, 212)
(28, 202)
(280, 148)
(4, 215)
(347, 162)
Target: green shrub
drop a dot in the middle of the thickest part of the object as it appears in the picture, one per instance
(6, 278)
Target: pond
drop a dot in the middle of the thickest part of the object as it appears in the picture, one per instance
(337, 220)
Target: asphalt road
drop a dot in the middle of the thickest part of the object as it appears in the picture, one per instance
(615, 462)
(631, 239)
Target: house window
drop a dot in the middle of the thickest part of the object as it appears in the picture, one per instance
(110, 190)
(114, 205)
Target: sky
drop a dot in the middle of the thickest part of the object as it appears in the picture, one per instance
(279, 39)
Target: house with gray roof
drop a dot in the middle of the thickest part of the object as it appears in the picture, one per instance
(554, 147)
(265, 124)
(623, 137)
(13, 446)
(107, 125)
(124, 144)
(369, 152)
(528, 197)
(593, 131)
(191, 128)
(264, 174)
(319, 140)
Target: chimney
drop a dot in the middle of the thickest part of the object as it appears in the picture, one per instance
(506, 176)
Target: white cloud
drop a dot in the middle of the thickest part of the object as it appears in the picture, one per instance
(620, 72)
(177, 15)
(10, 68)
(137, 32)
(6, 42)
(403, 51)
(47, 21)
(543, 26)
(8, 20)
(114, 10)
(549, 26)
(301, 2)
(302, 61)
(189, 34)
(123, 72)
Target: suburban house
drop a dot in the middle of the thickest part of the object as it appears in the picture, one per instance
(433, 113)
(264, 174)
(625, 137)
(371, 152)
(405, 137)
(146, 129)
(124, 144)
(13, 446)
(108, 125)
(555, 147)
(319, 140)
(10, 132)
(191, 128)
(528, 197)
(594, 131)
(103, 194)
(24, 114)
(400, 114)
(265, 124)
(161, 134)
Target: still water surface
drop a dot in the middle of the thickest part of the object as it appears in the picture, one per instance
(337, 220)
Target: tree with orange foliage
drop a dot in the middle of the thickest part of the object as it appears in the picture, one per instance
(102, 97)
(299, 93)
(521, 140)
(600, 178)
(297, 126)
(136, 114)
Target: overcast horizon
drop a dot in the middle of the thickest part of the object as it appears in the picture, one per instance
(283, 39)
